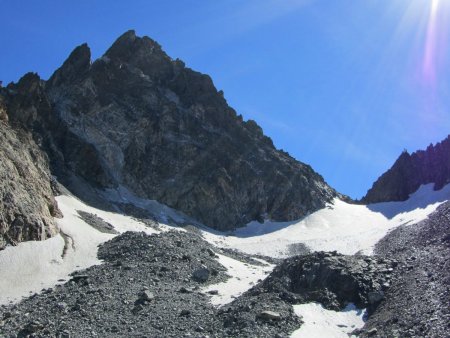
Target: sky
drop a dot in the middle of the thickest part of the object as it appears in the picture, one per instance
(344, 86)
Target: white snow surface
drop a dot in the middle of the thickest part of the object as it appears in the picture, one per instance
(243, 276)
(35, 265)
(346, 228)
(320, 323)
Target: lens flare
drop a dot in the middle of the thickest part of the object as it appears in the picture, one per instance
(430, 55)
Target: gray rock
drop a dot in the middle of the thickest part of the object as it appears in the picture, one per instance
(27, 205)
(201, 274)
(146, 296)
(372, 332)
(269, 316)
(185, 313)
(375, 296)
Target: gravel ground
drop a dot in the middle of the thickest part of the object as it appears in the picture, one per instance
(418, 301)
(148, 286)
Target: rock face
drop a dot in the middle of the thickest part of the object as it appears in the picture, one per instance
(410, 171)
(27, 205)
(137, 118)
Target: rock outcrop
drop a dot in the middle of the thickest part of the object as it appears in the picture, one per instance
(410, 171)
(137, 118)
(329, 278)
(27, 205)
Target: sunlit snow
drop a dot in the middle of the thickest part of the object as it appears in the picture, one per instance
(32, 266)
(320, 323)
(242, 277)
(346, 228)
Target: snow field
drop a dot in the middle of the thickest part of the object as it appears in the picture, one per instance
(346, 228)
(321, 323)
(242, 277)
(32, 266)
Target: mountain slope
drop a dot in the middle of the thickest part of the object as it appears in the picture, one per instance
(137, 118)
(27, 205)
(410, 171)
(417, 302)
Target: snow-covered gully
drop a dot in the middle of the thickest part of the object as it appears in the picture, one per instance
(346, 228)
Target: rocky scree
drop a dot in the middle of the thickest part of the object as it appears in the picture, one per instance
(332, 279)
(417, 302)
(147, 286)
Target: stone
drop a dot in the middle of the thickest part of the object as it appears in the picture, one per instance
(146, 296)
(185, 313)
(269, 316)
(201, 274)
(372, 332)
(375, 296)
(79, 278)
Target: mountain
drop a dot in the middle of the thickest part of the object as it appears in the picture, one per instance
(136, 125)
(410, 171)
(137, 119)
(27, 205)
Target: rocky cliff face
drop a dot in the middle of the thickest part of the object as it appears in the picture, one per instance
(27, 205)
(410, 171)
(137, 118)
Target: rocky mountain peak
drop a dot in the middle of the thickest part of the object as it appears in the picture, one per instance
(138, 119)
(77, 64)
(142, 53)
(410, 171)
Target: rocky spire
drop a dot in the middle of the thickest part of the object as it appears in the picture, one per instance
(76, 65)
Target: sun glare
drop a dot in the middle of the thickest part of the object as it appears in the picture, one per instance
(434, 6)
(435, 30)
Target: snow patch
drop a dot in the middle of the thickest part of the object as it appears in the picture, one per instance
(320, 322)
(243, 276)
(346, 228)
(35, 265)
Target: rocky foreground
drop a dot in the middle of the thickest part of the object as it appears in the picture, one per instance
(418, 301)
(151, 286)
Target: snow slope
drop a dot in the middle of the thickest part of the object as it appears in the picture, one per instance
(320, 323)
(242, 277)
(346, 228)
(32, 266)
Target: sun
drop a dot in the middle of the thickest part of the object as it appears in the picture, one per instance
(434, 6)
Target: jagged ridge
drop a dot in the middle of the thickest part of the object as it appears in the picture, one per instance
(410, 171)
(137, 118)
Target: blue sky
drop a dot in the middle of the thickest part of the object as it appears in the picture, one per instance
(343, 85)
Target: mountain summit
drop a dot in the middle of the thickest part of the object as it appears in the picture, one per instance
(410, 171)
(136, 118)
